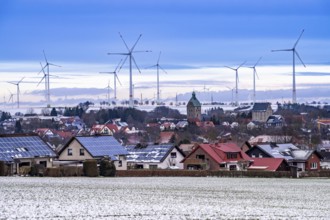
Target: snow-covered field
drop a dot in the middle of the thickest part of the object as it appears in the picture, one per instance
(163, 198)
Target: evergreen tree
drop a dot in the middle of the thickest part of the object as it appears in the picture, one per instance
(53, 112)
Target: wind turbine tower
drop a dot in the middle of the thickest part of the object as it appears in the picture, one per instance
(254, 79)
(46, 77)
(18, 91)
(236, 85)
(115, 78)
(129, 55)
(294, 53)
(158, 67)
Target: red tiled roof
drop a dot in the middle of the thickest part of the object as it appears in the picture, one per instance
(270, 164)
(166, 136)
(64, 134)
(112, 127)
(205, 124)
(219, 151)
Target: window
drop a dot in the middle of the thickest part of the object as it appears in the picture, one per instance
(153, 167)
(231, 155)
(314, 165)
(200, 156)
(82, 152)
(120, 163)
(69, 152)
(222, 165)
(173, 154)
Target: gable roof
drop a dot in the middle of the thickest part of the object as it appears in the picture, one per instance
(23, 146)
(277, 150)
(260, 106)
(270, 164)
(149, 153)
(303, 155)
(194, 101)
(217, 151)
(99, 146)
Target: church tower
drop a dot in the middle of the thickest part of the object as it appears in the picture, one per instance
(194, 109)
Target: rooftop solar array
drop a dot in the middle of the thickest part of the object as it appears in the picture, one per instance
(23, 147)
(150, 153)
(100, 146)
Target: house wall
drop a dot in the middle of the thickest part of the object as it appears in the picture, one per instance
(121, 163)
(207, 164)
(75, 146)
(313, 159)
(170, 161)
(325, 164)
(262, 116)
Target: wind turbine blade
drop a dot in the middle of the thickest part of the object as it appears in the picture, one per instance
(299, 57)
(117, 78)
(41, 80)
(118, 53)
(107, 72)
(53, 64)
(118, 65)
(257, 62)
(141, 51)
(42, 69)
(162, 69)
(124, 41)
(122, 64)
(281, 50)
(20, 80)
(45, 56)
(230, 67)
(241, 65)
(255, 72)
(294, 46)
(159, 57)
(136, 43)
(136, 64)
(148, 67)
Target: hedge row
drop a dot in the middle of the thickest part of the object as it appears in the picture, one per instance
(63, 171)
(3, 168)
(321, 173)
(200, 173)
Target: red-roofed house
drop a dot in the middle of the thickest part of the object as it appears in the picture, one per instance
(42, 132)
(269, 164)
(165, 137)
(205, 124)
(219, 156)
(108, 129)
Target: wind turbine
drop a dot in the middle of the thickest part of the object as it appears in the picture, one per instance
(232, 93)
(115, 78)
(254, 79)
(129, 55)
(46, 77)
(294, 53)
(158, 67)
(108, 87)
(11, 97)
(236, 87)
(18, 91)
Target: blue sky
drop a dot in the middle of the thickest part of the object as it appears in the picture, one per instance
(194, 37)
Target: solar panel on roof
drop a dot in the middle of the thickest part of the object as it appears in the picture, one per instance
(100, 146)
(149, 153)
(23, 147)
